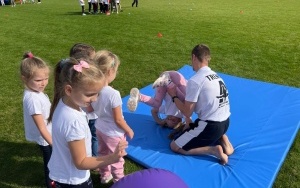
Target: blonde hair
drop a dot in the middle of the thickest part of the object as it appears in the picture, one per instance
(30, 64)
(106, 60)
(65, 74)
(172, 123)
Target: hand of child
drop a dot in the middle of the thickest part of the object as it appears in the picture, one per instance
(130, 133)
(120, 150)
(162, 122)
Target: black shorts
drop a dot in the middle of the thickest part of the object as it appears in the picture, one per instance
(202, 133)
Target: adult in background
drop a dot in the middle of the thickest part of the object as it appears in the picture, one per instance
(136, 2)
(207, 96)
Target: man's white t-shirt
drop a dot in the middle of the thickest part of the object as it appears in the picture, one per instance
(35, 103)
(209, 92)
(68, 125)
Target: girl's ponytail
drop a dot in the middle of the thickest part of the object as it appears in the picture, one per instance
(57, 87)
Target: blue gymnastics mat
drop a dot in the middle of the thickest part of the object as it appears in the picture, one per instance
(264, 123)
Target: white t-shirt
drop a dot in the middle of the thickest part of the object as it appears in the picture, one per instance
(35, 103)
(90, 115)
(81, 2)
(169, 107)
(209, 92)
(68, 125)
(108, 99)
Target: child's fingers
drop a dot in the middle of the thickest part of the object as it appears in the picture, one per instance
(123, 144)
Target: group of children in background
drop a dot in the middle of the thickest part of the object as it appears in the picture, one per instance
(105, 6)
(13, 2)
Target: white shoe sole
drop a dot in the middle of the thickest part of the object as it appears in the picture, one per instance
(106, 180)
(163, 80)
(133, 100)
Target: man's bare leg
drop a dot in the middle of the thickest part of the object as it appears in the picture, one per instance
(226, 145)
(216, 151)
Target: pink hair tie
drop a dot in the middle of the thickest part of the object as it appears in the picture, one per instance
(82, 64)
(30, 55)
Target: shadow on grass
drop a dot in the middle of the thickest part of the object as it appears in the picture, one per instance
(79, 14)
(21, 165)
(73, 13)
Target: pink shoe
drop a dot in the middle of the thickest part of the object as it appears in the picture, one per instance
(162, 80)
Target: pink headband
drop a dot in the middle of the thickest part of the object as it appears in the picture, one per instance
(82, 64)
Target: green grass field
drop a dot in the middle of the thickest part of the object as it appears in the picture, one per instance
(255, 39)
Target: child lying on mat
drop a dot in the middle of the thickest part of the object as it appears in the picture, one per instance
(173, 115)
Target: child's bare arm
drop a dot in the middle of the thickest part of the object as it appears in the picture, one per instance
(82, 162)
(120, 121)
(156, 118)
(40, 124)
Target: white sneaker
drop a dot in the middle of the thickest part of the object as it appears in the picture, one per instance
(105, 180)
(163, 80)
(83, 14)
(133, 99)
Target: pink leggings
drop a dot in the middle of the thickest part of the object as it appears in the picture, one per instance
(177, 79)
(107, 145)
